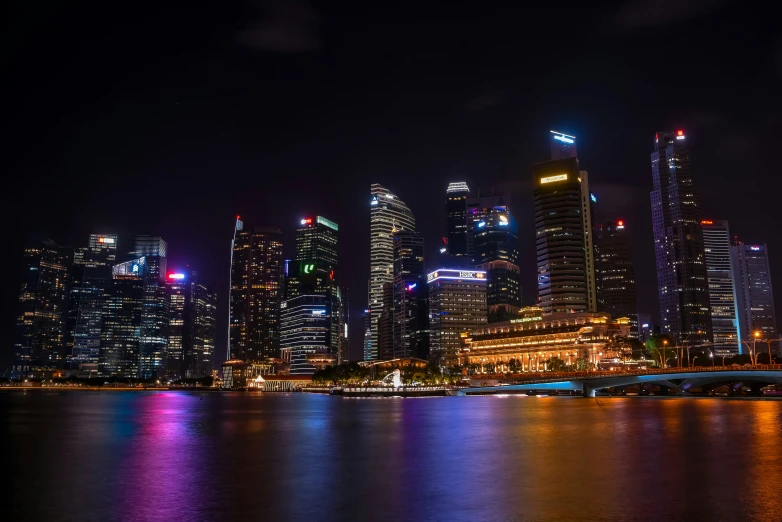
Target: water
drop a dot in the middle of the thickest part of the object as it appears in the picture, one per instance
(168, 456)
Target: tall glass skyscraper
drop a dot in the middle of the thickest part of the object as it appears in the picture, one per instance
(755, 296)
(496, 251)
(564, 242)
(479, 209)
(121, 327)
(387, 215)
(40, 322)
(306, 331)
(255, 298)
(615, 273)
(89, 290)
(410, 314)
(456, 211)
(685, 313)
(722, 291)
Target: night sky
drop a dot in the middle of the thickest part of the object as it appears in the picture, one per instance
(126, 117)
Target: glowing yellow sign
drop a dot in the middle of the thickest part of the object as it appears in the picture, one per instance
(551, 179)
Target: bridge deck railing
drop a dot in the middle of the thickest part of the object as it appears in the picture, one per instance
(521, 378)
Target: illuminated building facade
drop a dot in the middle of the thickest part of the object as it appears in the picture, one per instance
(456, 212)
(386, 324)
(722, 291)
(479, 209)
(120, 334)
(315, 270)
(410, 312)
(255, 298)
(564, 242)
(306, 331)
(496, 252)
(755, 296)
(527, 342)
(200, 329)
(615, 274)
(678, 241)
(562, 145)
(92, 277)
(457, 305)
(40, 322)
(177, 290)
(387, 215)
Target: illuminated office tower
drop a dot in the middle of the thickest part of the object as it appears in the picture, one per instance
(387, 215)
(120, 335)
(154, 313)
(722, 289)
(754, 294)
(410, 315)
(678, 242)
(562, 145)
(457, 306)
(305, 329)
(40, 323)
(615, 274)
(92, 277)
(255, 298)
(177, 290)
(200, 322)
(479, 209)
(316, 270)
(496, 252)
(456, 212)
(564, 242)
(386, 324)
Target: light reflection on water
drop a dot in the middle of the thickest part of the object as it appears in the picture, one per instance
(182, 456)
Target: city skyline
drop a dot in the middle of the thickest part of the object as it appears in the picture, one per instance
(215, 157)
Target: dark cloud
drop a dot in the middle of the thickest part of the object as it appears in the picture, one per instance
(640, 13)
(288, 26)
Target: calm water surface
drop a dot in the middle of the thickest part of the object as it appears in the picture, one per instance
(168, 456)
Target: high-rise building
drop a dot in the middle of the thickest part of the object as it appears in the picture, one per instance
(255, 298)
(306, 331)
(722, 291)
(40, 323)
(678, 241)
(564, 242)
(615, 274)
(177, 290)
(147, 246)
(386, 324)
(120, 334)
(92, 277)
(343, 355)
(200, 321)
(479, 209)
(457, 306)
(496, 251)
(410, 315)
(315, 270)
(456, 212)
(387, 215)
(562, 145)
(755, 297)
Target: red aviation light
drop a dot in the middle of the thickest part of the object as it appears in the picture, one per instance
(680, 133)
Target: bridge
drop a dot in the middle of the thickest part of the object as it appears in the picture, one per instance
(681, 380)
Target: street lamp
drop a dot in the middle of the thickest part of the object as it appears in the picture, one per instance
(665, 345)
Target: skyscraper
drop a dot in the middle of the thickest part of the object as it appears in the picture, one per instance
(496, 251)
(255, 298)
(410, 314)
(387, 215)
(456, 212)
(40, 323)
(755, 297)
(563, 227)
(457, 305)
(615, 275)
(479, 209)
(316, 270)
(93, 271)
(722, 291)
(562, 145)
(177, 290)
(678, 242)
(120, 334)
(153, 345)
(306, 331)
(200, 321)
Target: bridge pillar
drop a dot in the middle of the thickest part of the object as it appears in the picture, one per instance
(587, 390)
